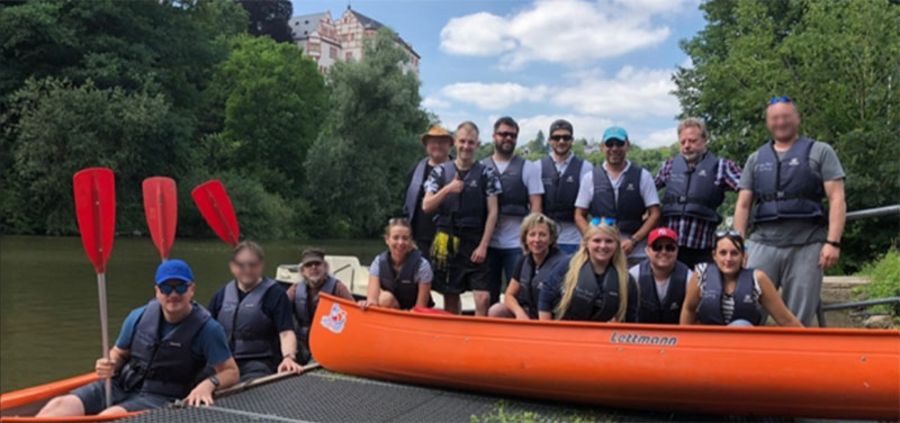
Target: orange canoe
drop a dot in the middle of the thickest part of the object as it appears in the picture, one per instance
(19, 406)
(763, 371)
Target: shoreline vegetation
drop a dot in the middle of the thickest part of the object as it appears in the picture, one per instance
(194, 90)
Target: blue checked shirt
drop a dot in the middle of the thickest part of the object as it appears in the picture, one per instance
(693, 232)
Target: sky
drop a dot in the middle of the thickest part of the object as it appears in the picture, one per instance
(596, 63)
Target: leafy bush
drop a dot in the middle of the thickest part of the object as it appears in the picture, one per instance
(885, 279)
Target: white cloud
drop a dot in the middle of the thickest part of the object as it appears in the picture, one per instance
(493, 96)
(656, 139)
(434, 103)
(632, 93)
(561, 31)
(589, 127)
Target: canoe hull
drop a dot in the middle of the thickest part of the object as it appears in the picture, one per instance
(827, 373)
(19, 406)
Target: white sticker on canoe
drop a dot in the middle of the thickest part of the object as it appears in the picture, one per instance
(335, 320)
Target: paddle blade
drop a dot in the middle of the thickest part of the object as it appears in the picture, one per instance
(161, 209)
(216, 208)
(95, 208)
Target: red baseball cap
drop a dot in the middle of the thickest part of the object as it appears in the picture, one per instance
(662, 232)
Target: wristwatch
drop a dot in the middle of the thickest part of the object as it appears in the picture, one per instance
(215, 381)
(834, 244)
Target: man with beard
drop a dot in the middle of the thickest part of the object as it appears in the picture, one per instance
(305, 295)
(794, 237)
(620, 191)
(561, 174)
(437, 142)
(522, 194)
(695, 181)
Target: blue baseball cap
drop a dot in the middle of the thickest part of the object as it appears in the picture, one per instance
(174, 269)
(615, 132)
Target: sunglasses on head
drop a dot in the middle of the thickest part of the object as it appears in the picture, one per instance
(512, 135)
(670, 248)
(398, 221)
(180, 288)
(560, 138)
(615, 142)
(600, 221)
(780, 99)
(731, 233)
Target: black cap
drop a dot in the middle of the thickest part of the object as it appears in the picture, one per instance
(561, 124)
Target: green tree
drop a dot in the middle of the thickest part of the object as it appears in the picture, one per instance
(274, 101)
(839, 60)
(357, 166)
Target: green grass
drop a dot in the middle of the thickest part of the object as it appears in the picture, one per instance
(884, 274)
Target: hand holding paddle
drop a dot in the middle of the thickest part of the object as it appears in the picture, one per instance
(95, 209)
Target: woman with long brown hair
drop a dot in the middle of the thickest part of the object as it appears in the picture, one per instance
(594, 285)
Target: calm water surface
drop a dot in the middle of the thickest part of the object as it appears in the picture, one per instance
(49, 318)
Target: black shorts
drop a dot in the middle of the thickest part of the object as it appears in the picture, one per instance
(462, 274)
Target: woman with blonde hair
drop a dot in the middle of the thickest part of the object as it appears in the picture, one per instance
(538, 235)
(595, 285)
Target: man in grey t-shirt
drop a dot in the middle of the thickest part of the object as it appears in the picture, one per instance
(794, 236)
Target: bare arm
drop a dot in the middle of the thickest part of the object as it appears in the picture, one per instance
(742, 211)
(202, 394)
(373, 290)
(433, 200)
(649, 224)
(480, 253)
(691, 301)
(511, 301)
(772, 302)
(581, 219)
(424, 294)
(837, 215)
(107, 368)
(545, 315)
(536, 201)
(289, 352)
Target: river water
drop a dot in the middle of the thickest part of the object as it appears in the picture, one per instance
(49, 318)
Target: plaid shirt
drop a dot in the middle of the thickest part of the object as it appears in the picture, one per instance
(693, 232)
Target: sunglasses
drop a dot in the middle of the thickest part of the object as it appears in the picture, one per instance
(731, 233)
(670, 248)
(311, 264)
(780, 99)
(512, 135)
(600, 221)
(398, 221)
(561, 138)
(615, 143)
(180, 288)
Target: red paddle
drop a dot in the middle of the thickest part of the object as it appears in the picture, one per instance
(95, 208)
(216, 208)
(161, 209)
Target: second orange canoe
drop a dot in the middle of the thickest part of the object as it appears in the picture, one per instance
(826, 373)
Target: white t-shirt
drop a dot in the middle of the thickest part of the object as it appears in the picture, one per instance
(506, 234)
(568, 231)
(661, 287)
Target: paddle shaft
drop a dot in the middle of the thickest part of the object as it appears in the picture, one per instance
(101, 289)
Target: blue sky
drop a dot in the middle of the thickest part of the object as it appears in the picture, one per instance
(596, 63)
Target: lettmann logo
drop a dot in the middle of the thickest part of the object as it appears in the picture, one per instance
(634, 338)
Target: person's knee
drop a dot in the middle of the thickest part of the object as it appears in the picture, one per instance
(386, 299)
(113, 410)
(66, 405)
(498, 310)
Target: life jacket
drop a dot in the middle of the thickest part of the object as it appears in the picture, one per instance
(560, 191)
(467, 209)
(628, 211)
(693, 191)
(304, 312)
(402, 285)
(591, 302)
(166, 366)
(251, 333)
(709, 311)
(787, 188)
(412, 202)
(513, 201)
(652, 310)
(531, 282)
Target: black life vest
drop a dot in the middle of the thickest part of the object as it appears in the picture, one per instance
(592, 301)
(403, 285)
(709, 311)
(652, 310)
(692, 191)
(412, 203)
(513, 201)
(304, 312)
(531, 281)
(787, 188)
(164, 366)
(629, 209)
(467, 209)
(251, 333)
(561, 191)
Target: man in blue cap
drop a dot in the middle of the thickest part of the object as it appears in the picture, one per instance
(162, 348)
(622, 191)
